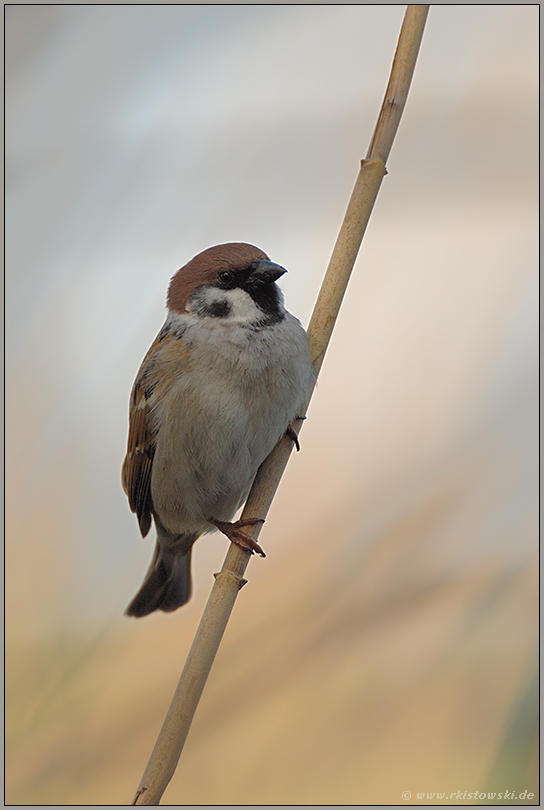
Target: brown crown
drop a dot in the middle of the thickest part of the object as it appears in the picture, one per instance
(203, 268)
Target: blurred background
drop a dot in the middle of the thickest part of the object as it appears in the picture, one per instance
(387, 642)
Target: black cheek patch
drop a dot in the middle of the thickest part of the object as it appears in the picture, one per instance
(218, 309)
(209, 309)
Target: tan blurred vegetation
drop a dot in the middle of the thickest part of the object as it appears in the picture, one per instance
(367, 675)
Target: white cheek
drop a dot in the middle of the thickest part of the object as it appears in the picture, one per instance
(243, 308)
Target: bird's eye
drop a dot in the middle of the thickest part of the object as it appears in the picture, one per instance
(225, 277)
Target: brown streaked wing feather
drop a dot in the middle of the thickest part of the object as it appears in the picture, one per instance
(138, 463)
(165, 360)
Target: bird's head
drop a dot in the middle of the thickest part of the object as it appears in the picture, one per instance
(235, 283)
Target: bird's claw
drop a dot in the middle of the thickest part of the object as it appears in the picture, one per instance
(235, 534)
(292, 433)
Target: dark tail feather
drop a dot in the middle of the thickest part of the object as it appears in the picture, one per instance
(167, 584)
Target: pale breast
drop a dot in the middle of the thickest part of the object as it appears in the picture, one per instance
(223, 416)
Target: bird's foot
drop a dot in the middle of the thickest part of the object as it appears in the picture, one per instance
(292, 433)
(235, 534)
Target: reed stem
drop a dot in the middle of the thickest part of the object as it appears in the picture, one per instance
(165, 755)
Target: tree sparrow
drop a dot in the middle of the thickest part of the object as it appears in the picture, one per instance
(224, 379)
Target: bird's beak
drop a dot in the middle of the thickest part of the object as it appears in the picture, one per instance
(267, 272)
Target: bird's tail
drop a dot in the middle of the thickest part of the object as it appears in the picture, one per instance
(167, 584)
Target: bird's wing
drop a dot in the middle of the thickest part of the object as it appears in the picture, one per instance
(142, 434)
